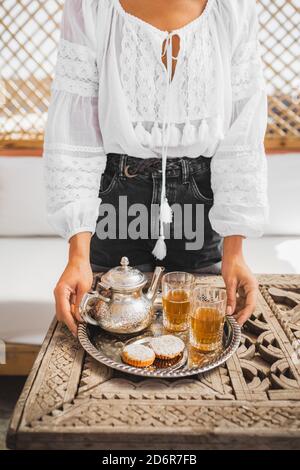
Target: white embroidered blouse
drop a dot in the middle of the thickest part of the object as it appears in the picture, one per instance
(113, 93)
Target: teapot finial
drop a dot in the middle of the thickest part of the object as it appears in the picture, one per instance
(124, 262)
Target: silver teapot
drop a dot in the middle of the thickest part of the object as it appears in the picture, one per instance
(122, 307)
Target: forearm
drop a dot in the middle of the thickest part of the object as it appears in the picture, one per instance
(233, 247)
(79, 249)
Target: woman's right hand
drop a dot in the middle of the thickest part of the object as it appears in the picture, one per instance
(74, 282)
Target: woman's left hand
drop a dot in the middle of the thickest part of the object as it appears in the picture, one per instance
(238, 277)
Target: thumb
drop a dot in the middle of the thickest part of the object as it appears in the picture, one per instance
(231, 286)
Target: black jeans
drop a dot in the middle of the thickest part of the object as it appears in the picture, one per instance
(192, 244)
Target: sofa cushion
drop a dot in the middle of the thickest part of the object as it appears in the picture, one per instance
(284, 194)
(29, 270)
(22, 197)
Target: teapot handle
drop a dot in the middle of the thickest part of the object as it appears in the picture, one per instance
(101, 296)
(83, 305)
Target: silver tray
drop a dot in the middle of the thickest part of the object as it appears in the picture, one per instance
(106, 348)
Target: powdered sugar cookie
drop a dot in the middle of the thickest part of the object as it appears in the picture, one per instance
(167, 346)
(138, 355)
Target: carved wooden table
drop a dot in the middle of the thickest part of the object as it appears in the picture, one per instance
(253, 401)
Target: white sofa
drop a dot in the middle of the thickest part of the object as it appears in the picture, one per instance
(32, 258)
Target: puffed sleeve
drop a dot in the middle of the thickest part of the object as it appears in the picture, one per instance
(239, 167)
(74, 157)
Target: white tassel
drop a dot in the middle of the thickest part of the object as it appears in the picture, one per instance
(143, 136)
(147, 138)
(156, 136)
(139, 130)
(188, 134)
(166, 213)
(160, 249)
(204, 132)
(217, 128)
(174, 136)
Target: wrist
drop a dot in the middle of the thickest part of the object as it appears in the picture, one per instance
(78, 261)
(79, 250)
(233, 247)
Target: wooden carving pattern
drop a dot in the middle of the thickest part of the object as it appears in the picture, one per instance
(256, 391)
(282, 310)
(57, 381)
(165, 414)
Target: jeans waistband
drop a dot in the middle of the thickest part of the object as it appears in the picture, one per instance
(130, 167)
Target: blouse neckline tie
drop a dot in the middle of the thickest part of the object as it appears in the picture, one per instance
(165, 213)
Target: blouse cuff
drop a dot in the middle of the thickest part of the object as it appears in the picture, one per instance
(239, 220)
(76, 217)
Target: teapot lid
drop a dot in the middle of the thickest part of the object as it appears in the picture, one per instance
(123, 276)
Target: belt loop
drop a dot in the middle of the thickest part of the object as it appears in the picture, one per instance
(122, 165)
(185, 171)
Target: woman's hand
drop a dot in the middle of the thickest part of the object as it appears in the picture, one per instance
(75, 281)
(238, 277)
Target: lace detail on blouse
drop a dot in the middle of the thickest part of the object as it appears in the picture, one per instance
(143, 78)
(239, 177)
(142, 75)
(55, 147)
(197, 82)
(247, 74)
(76, 70)
(71, 179)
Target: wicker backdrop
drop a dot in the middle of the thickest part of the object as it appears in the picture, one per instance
(29, 31)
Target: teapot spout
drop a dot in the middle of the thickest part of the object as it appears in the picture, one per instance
(152, 291)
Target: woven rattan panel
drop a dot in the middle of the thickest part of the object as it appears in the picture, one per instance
(29, 32)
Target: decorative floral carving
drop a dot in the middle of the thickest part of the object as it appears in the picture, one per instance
(257, 389)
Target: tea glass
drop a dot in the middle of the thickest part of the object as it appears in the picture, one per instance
(206, 319)
(176, 298)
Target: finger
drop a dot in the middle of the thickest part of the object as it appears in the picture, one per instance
(231, 286)
(249, 308)
(72, 304)
(70, 322)
(81, 290)
(63, 308)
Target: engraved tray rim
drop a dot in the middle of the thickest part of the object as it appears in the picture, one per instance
(161, 373)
